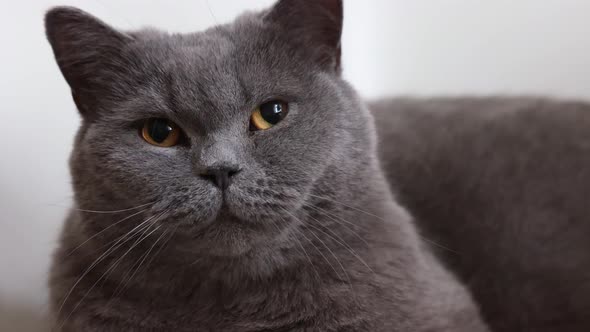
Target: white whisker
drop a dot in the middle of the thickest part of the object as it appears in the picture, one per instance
(341, 241)
(335, 258)
(114, 265)
(122, 240)
(349, 206)
(102, 231)
(141, 259)
(340, 221)
(303, 250)
(114, 211)
(311, 242)
(162, 246)
(382, 219)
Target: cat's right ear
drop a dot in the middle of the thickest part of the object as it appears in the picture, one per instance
(88, 53)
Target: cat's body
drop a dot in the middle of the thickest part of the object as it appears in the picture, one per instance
(401, 288)
(504, 183)
(232, 227)
(241, 224)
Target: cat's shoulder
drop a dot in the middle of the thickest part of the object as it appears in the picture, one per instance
(480, 117)
(407, 108)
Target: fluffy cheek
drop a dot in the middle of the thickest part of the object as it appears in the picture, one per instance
(264, 199)
(285, 165)
(192, 204)
(127, 172)
(275, 191)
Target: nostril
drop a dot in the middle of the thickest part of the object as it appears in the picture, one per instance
(208, 176)
(220, 176)
(233, 172)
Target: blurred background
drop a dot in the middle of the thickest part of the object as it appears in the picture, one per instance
(390, 47)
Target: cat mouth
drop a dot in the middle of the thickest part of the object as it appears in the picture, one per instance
(225, 212)
(227, 209)
(229, 235)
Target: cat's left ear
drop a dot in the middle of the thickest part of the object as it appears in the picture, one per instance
(314, 26)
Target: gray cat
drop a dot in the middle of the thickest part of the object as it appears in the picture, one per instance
(505, 184)
(228, 180)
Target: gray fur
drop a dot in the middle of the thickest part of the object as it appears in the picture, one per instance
(267, 254)
(504, 183)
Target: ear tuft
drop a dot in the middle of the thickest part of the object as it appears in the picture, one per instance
(315, 26)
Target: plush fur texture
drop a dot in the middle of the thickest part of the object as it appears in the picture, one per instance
(503, 183)
(306, 238)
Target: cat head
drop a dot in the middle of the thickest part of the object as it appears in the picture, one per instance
(224, 132)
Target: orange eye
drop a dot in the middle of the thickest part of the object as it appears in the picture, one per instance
(160, 132)
(268, 115)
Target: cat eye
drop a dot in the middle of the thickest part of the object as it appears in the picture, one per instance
(268, 115)
(160, 132)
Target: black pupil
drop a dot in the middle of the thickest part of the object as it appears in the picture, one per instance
(159, 130)
(272, 112)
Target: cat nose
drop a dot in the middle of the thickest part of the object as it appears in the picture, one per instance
(221, 176)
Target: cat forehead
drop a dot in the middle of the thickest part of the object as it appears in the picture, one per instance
(223, 70)
(186, 68)
(244, 47)
(222, 64)
(181, 51)
(199, 79)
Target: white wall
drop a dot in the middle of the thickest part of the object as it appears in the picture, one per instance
(401, 46)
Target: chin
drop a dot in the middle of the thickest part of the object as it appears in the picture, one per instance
(230, 236)
(235, 224)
